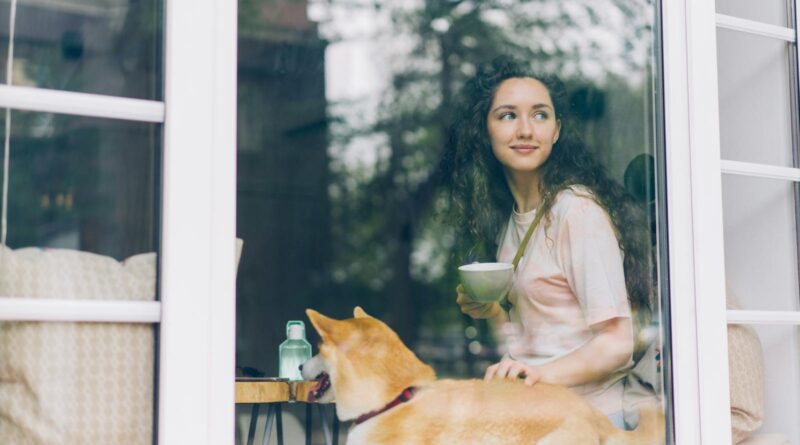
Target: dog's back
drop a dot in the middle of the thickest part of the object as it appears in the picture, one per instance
(477, 412)
(504, 412)
(369, 367)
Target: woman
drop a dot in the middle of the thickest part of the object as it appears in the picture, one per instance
(583, 282)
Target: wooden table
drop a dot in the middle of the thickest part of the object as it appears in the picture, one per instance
(274, 392)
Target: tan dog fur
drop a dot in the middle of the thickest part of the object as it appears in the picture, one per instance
(369, 366)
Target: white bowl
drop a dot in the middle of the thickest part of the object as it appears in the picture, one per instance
(486, 282)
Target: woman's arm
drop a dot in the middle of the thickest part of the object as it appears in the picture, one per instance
(610, 349)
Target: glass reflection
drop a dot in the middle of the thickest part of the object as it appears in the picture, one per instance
(760, 222)
(344, 115)
(773, 12)
(759, 87)
(83, 183)
(110, 47)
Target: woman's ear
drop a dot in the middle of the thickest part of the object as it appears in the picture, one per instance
(558, 131)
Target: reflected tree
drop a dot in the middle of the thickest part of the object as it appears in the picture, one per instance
(391, 249)
(343, 112)
(77, 182)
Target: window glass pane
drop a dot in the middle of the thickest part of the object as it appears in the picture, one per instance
(82, 208)
(5, 8)
(83, 183)
(345, 179)
(754, 99)
(764, 372)
(76, 383)
(760, 242)
(773, 12)
(108, 47)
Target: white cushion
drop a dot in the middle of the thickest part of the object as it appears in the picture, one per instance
(76, 383)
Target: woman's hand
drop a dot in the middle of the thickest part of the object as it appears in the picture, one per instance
(512, 369)
(473, 308)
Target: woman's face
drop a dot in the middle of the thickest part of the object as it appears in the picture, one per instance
(522, 125)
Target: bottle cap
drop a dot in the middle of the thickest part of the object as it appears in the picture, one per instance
(295, 330)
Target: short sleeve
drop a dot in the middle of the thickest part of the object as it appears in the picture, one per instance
(588, 253)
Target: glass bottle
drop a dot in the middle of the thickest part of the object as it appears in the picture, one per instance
(294, 351)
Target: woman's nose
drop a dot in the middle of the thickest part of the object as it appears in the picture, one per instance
(524, 128)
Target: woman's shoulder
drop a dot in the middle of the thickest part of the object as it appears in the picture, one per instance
(577, 206)
(574, 197)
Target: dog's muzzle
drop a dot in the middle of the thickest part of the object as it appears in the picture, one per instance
(322, 386)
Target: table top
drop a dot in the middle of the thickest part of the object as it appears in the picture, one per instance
(272, 390)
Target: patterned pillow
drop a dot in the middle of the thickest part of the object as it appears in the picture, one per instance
(76, 383)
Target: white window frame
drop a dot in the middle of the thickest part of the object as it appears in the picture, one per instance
(198, 335)
(701, 398)
(694, 197)
(197, 311)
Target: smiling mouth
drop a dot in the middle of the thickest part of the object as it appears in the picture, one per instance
(524, 148)
(322, 386)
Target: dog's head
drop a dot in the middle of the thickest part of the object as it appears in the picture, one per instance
(365, 361)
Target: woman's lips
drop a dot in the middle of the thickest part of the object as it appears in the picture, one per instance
(523, 148)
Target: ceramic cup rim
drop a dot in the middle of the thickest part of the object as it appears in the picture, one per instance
(486, 267)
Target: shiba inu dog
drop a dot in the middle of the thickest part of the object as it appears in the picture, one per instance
(394, 398)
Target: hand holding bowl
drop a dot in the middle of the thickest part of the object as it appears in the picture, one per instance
(486, 282)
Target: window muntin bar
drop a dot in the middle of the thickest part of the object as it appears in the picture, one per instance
(81, 104)
(760, 170)
(757, 28)
(738, 316)
(26, 309)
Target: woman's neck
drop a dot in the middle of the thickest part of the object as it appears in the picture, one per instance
(525, 190)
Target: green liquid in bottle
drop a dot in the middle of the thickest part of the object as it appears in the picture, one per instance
(294, 351)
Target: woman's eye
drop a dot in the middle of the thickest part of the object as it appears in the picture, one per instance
(540, 116)
(507, 116)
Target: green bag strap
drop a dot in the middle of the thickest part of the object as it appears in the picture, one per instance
(527, 238)
(505, 304)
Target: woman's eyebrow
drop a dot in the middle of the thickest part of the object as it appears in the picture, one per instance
(504, 107)
(514, 107)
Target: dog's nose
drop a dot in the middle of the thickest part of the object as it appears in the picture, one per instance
(300, 367)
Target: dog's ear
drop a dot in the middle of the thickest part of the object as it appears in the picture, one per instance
(360, 313)
(324, 325)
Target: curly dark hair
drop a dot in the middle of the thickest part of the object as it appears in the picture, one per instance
(481, 199)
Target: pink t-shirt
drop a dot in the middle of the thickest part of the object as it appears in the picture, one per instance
(570, 277)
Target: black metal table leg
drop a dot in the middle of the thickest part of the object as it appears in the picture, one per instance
(309, 414)
(335, 428)
(279, 422)
(251, 433)
(326, 429)
(268, 427)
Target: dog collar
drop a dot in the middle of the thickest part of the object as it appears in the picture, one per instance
(404, 396)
